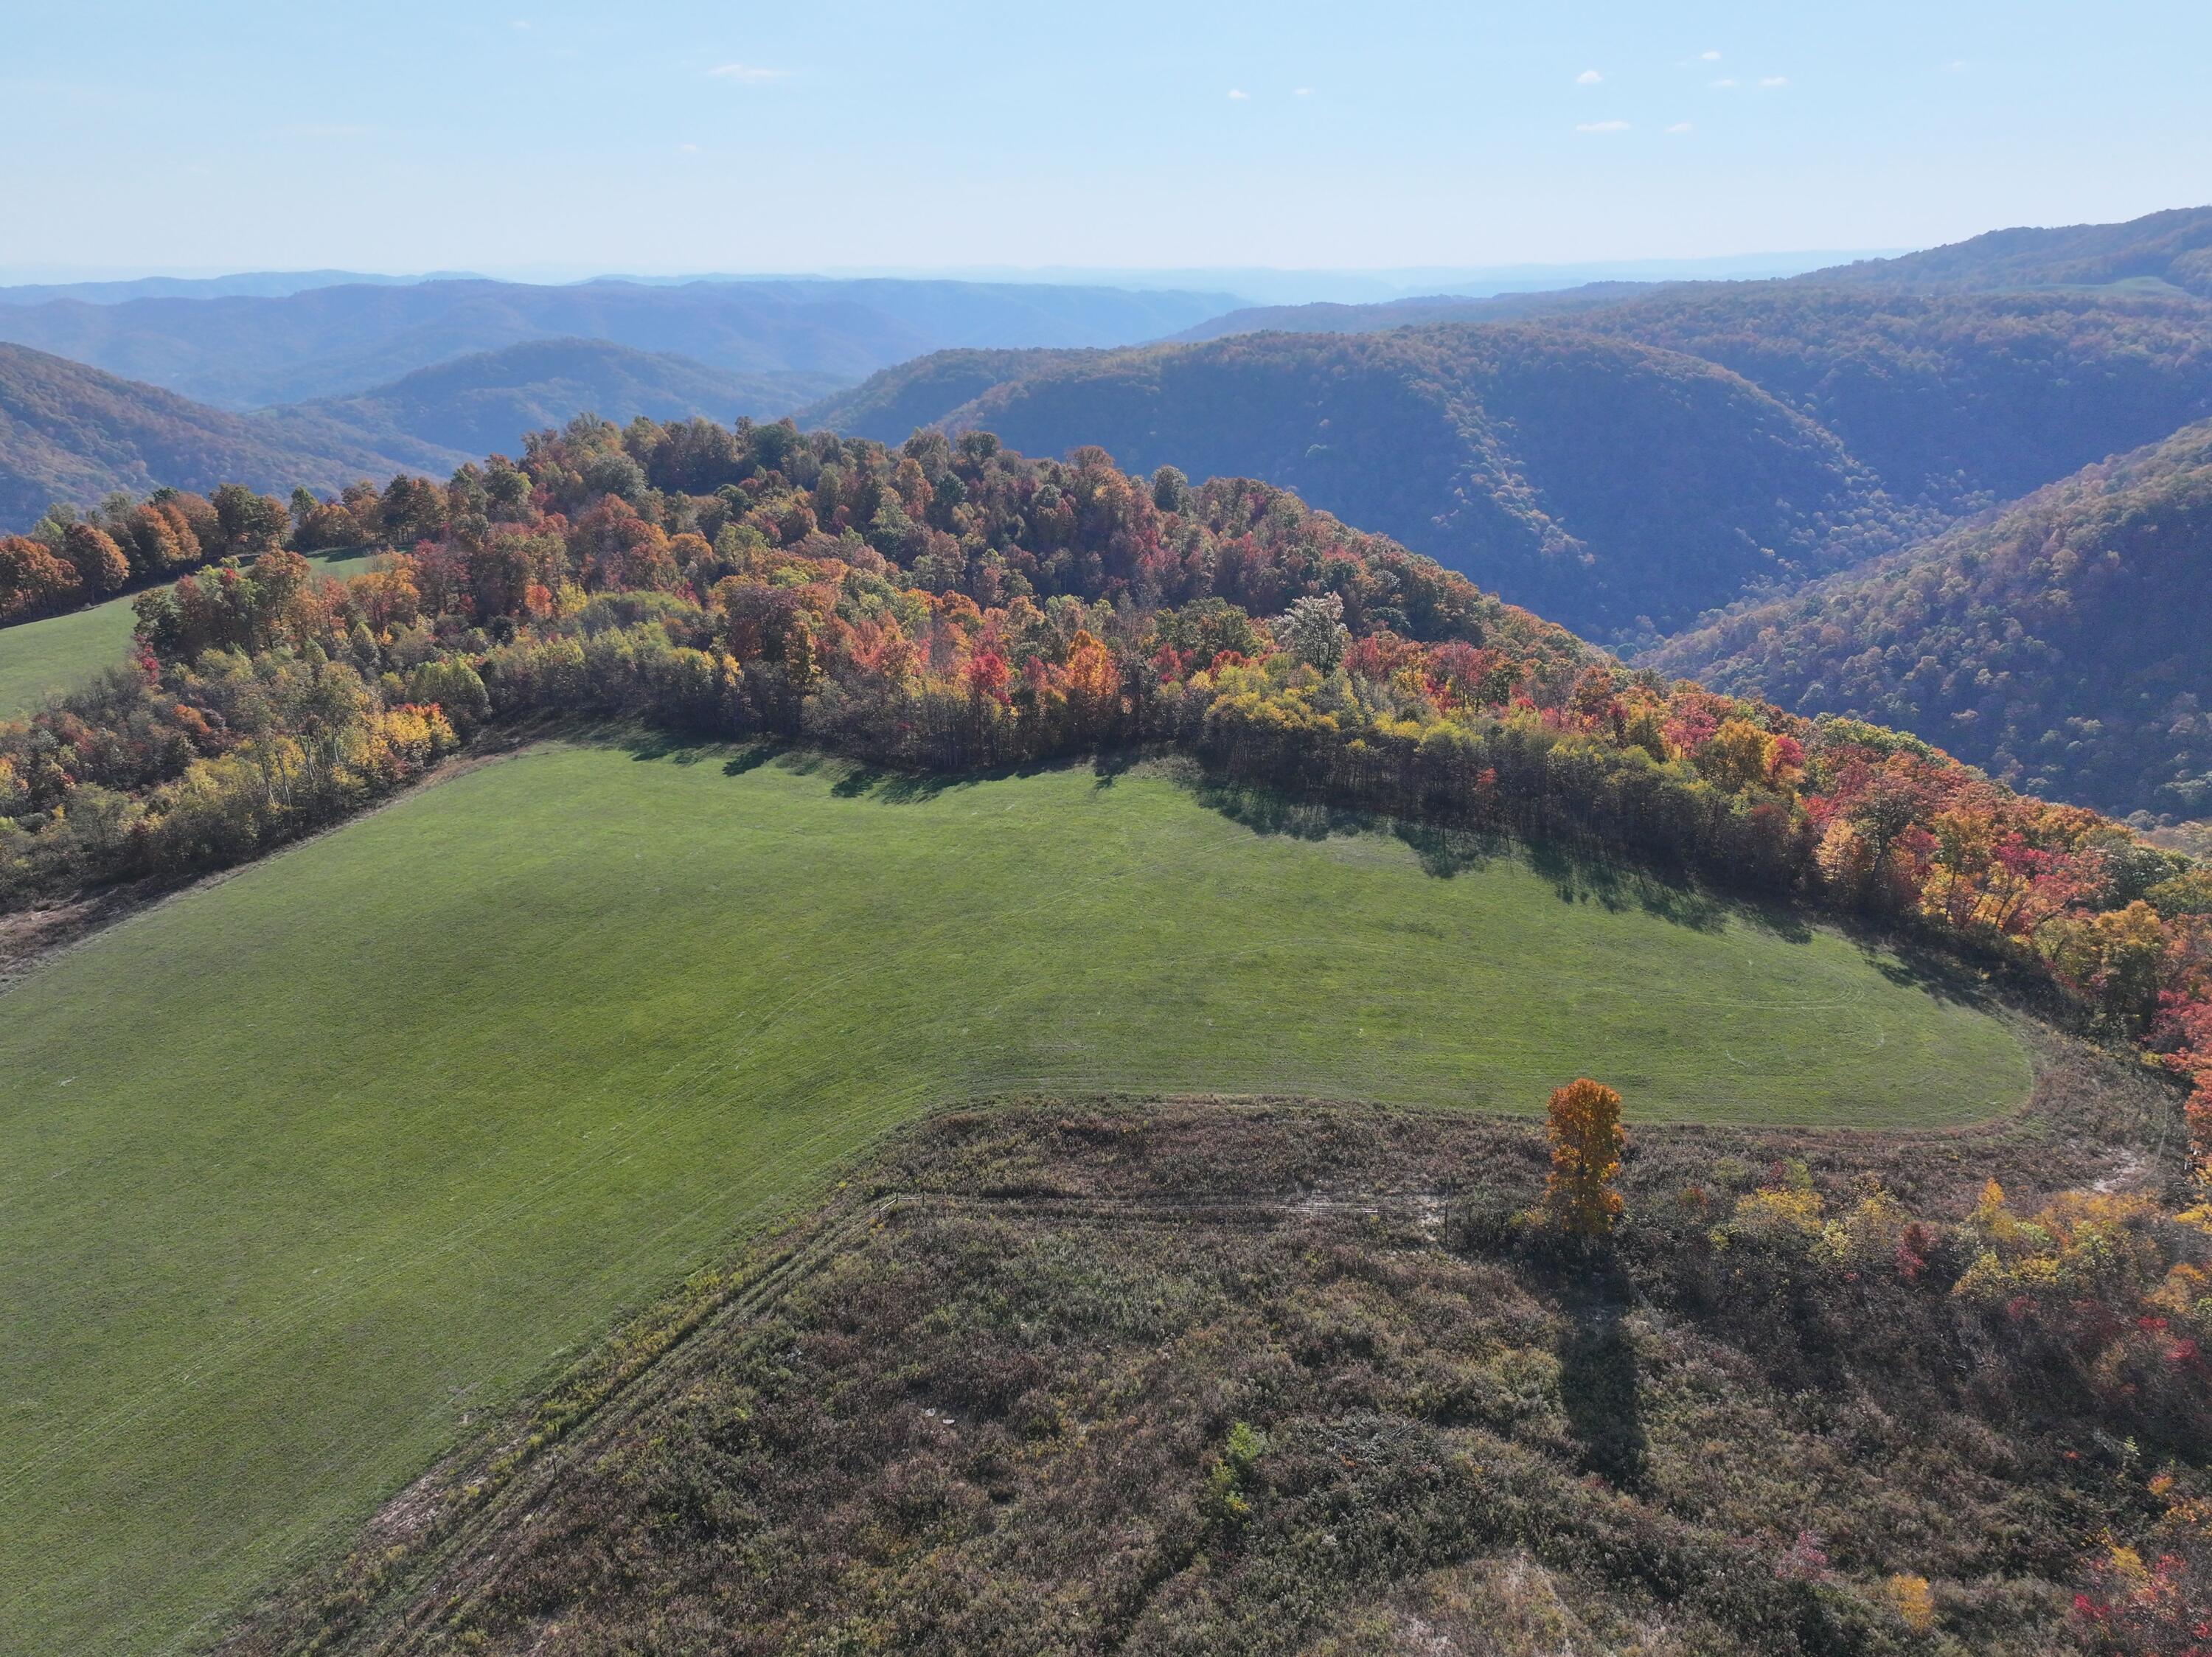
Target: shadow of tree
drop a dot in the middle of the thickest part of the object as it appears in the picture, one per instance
(1599, 1389)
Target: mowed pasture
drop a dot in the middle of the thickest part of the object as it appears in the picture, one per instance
(303, 1173)
(58, 653)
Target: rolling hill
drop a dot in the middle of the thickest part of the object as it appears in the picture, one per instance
(591, 1017)
(1956, 401)
(895, 402)
(1619, 489)
(2061, 644)
(244, 352)
(483, 403)
(2170, 250)
(560, 1087)
(71, 433)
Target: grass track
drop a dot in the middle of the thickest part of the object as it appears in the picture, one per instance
(298, 1171)
(58, 652)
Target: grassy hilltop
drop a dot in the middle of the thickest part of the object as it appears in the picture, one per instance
(553, 1031)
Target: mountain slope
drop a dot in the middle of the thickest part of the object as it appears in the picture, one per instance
(2172, 248)
(485, 402)
(2061, 644)
(1956, 400)
(894, 402)
(1323, 317)
(71, 433)
(1612, 486)
(249, 352)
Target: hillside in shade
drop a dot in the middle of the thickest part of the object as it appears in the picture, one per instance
(1955, 400)
(71, 433)
(1619, 489)
(2061, 644)
(248, 351)
(483, 403)
(896, 401)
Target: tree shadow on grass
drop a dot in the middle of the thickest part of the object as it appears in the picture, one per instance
(1912, 967)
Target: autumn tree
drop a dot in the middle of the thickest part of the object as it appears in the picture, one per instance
(1584, 1122)
(1313, 630)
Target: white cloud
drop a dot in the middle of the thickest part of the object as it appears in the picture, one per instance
(519, 23)
(1956, 66)
(1681, 127)
(1723, 85)
(1774, 80)
(745, 73)
(1302, 92)
(1588, 77)
(1709, 57)
(1601, 126)
(1238, 94)
(687, 149)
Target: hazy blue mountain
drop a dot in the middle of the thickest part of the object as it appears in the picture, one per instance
(2168, 250)
(249, 352)
(476, 405)
(261, 284)
(890, 403)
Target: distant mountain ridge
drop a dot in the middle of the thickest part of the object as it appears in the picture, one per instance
(483, 403)
(2172, 248)
(246, 352)
(73, 434)
(263, 284)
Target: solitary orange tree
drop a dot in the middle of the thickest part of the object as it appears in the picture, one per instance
(1583, 1120)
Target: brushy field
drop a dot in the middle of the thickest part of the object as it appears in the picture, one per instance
(1262, 1378)
(58, 652)
(302, 1174)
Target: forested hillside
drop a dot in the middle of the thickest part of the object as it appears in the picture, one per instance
(951, 610)
(2063, 645)
(894, 403)
(70, 433)
(2173, 249)
(1619, 489)
(488, 402)
(246, 352)
(947, 607)
(1956, 401)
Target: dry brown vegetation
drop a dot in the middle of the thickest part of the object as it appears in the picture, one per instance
(1270, 1376)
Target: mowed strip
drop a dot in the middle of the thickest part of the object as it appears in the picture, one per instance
(304, 1171)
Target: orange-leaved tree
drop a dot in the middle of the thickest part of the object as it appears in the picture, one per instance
(1583, 1120)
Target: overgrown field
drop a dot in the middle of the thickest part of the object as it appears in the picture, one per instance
(302, 1174)
(1252, 1379)
(61, 651)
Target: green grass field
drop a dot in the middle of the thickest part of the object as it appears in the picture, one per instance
(56, 653)
(60, 651)
(304, 1171)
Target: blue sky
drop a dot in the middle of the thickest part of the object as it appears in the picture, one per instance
(148, 135)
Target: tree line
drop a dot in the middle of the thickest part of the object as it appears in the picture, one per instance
(953, 605)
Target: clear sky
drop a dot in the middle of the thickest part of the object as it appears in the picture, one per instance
(655, 136)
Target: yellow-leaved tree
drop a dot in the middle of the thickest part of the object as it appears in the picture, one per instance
(1583, 1120)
